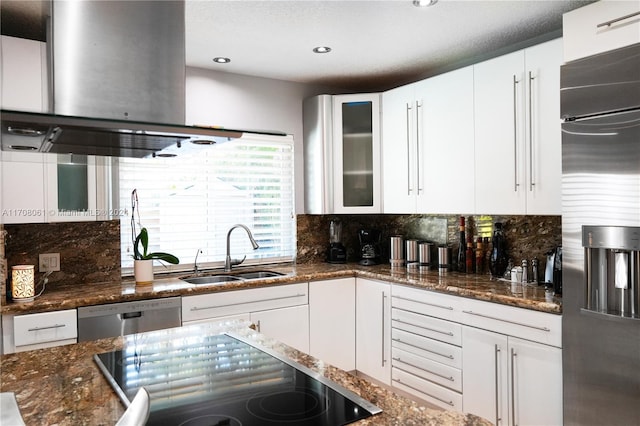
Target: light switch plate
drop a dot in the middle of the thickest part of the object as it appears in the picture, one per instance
(49, 262)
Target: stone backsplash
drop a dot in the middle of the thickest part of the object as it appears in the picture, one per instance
(89, 251)
(527, 237)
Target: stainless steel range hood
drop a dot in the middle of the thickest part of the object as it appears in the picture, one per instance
(25, 131)
(117, 84)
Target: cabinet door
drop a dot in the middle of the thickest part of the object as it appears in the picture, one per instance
(446, 143)
(535, 383)
(499, 136)
(485, 375)
(373, 329)
(544, 143)
(23, 195)
(332, 322)
(399, 150)
(357, 171)
(24, 77)
(70, 188)
(287, 325)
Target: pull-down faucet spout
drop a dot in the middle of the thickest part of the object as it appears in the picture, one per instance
(228, 263)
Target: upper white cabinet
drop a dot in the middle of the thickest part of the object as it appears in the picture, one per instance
(342, 154)
(517, 132)
(356, 153)
(427, 133)
(24, 76)
(599, 27)
(447, 138)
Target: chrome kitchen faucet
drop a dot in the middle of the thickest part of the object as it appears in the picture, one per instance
(228, 263)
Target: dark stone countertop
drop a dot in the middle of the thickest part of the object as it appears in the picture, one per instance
(63, 385)
(480, 287)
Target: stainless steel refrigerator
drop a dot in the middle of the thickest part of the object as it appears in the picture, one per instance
(600, 106)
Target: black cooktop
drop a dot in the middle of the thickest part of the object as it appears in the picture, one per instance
(223, 380)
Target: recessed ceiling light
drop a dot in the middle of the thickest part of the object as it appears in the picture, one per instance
(424, 3)
(322, 49)
(221, 60)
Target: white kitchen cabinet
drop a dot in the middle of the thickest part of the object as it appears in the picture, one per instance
(511, 381)
(24, 76)
(427, 145)
(287, 325)
(512, 364)
(40, 330)
(373, 329)
(517, 132)
(356, 154)
(280, 311)
(332, 322)
(599, 27)
(23, 189)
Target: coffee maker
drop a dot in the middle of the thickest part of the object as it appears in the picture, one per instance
(369, 246)
(337, 253)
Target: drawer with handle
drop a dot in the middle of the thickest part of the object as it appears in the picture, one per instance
(526, 324)
(445, 331)
(45, 327)
(427, 369)
(424, 389)
(427, 348)
(426, 302)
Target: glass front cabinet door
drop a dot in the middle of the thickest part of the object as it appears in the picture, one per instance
(356, 152)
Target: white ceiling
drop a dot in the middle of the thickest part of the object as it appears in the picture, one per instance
(376, 44)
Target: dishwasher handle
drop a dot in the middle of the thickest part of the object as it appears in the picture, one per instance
(130, 315)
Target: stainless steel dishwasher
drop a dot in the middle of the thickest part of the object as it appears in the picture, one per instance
(117, 319)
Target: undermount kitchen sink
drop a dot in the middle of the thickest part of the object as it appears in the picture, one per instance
(237, 276)
(211, 279)
(252, 275)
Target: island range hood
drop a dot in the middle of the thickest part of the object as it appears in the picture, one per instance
(116, 84)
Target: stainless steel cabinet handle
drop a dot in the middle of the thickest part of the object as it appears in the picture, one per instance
(531, 182)
(497, 366)
(197, 308)
(447, 333)
(409, 189)
(515, 133)
(384, 296)
(47, 327)
(513, 387)
(622, 18)
(422, 391)
(427, 350)
(418, 107)
(449, 308)
(450, 378)
(508, 321)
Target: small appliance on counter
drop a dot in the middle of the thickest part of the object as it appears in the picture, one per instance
(337, 252)
(369, 246)
(553, 271)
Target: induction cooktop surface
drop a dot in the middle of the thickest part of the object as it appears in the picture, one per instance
(223, 379)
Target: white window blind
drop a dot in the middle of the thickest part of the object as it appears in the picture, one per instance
(189, 203)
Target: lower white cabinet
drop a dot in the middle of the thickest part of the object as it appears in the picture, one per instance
(332, 322)
(373, 329)
(41, 330)
(511, 381)
(280, 312)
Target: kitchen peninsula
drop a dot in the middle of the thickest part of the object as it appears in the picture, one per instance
(64, 386)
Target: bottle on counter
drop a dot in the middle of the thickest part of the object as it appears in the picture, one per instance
(486, 255)
(499, 257)
(462, 251)
(470, 255)
(479, 256)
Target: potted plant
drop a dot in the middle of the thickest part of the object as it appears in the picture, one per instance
(142, 260)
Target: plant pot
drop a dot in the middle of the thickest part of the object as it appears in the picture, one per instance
(143, 271)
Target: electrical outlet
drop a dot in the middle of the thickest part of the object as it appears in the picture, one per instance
(49, 262)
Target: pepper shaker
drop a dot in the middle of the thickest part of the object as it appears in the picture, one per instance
(534, 271)
(525, 271)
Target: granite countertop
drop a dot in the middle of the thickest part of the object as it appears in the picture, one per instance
(480, 287)
(64, 386)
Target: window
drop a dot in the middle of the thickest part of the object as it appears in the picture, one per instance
(189, 203)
